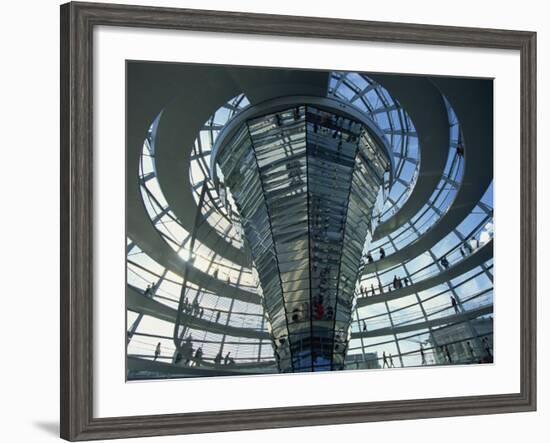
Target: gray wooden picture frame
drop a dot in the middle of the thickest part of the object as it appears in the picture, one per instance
(77, 216)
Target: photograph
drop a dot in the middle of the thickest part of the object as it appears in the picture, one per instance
(283, 220)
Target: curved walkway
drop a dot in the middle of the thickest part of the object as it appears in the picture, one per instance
(473, 104)
(427, 110)
(449, 319)
(168, 370)
(137, 302)
(479, 257)
(153, 245)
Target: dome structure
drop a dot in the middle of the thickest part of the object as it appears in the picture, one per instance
(294, 221)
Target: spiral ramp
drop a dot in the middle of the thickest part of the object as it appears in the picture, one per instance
(191, 280)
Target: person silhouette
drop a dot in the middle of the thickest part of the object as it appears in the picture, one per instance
(157, 351)
(454, 304)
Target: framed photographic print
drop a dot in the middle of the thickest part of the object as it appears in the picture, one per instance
(273, 221)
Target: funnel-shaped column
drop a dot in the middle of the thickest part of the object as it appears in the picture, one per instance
(305, 180)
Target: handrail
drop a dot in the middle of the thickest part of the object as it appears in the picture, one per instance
(478, 257)
(454, 318)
